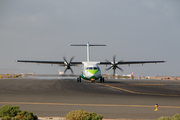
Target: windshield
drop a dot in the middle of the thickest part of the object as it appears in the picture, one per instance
(92, 68)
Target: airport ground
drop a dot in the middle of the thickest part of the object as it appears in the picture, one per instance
(116, 98)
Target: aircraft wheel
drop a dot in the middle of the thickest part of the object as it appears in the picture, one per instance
(79, 79)
(102, 79)
(93, 81)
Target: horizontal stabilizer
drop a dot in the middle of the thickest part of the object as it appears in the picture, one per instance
(86, 45)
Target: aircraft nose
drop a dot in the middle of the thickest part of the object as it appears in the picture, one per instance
(93, 71)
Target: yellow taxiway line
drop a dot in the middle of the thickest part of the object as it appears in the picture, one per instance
(146, 84)
(75, 104)
(134, 92)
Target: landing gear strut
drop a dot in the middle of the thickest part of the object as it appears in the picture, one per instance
(101, 79)
(79, 79)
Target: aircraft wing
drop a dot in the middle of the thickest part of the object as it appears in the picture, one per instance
(130, 62)
(48, 62)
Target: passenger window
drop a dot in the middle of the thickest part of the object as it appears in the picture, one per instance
(90, 68)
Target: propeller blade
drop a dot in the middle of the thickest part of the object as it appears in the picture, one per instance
(114, 65)
(114, 71)
(71, 59)
(108, 68)
(72, 71)
(65, 70)
(68, 65)
(114, 58)
(65, 59)
(120, 68)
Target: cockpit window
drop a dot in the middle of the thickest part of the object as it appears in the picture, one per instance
(92, 68)
(95, 68)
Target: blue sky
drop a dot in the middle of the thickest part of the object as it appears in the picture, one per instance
(132, 30)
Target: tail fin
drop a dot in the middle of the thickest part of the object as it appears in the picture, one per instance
(132, 74)
(88, 48)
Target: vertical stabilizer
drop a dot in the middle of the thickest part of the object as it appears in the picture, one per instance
(88, 48)
(88, 52)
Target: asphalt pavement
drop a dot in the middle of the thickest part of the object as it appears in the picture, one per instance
(116, 98)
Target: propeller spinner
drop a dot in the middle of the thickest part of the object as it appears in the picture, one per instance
(114, 65)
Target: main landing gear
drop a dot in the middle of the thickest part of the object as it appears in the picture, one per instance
(101, 79)
(79, 79)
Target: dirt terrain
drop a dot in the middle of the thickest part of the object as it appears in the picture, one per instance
(10, 76)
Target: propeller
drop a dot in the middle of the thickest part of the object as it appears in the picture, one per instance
(68, 64)
(114, 65)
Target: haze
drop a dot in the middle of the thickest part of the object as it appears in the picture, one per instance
(132, 30)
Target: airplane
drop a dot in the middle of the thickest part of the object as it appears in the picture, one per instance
(60, 73)
(90, 69)
(129, 75)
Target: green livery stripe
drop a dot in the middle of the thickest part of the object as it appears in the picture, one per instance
(92, 77)
(93, 71)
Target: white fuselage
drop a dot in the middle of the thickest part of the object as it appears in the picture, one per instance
(90, 71)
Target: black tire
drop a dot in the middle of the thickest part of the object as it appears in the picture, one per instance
(92, 81)
(102, 79)
(79, 79)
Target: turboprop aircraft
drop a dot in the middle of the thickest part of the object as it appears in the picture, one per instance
(90, 69)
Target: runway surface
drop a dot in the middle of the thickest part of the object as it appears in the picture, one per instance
(134, 99)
